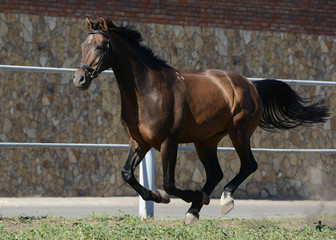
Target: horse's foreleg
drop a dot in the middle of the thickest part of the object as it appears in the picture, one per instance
(169, 155)
(135, 155)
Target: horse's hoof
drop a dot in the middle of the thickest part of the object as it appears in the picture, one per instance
(191, 218)
(164, 196)
(206, 199)
(226, 203)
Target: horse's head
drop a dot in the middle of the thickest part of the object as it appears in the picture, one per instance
(96, 51)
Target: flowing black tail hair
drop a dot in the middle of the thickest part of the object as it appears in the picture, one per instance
(285, 109)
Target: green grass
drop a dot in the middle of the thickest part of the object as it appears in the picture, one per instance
(127, 227)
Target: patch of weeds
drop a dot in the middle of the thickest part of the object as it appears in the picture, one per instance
(319, 226)
(127, 227)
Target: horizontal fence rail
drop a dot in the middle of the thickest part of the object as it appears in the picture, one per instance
(182, 148)
(146, 209)
(61, 145)
(43, 69)
(272, 150)
(108, 72)
(300, 82)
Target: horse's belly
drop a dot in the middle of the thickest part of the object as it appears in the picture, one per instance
(194, 131)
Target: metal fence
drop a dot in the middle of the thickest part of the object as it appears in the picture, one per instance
(107, 72)
(146, 209)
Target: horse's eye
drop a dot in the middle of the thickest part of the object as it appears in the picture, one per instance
(100, 47)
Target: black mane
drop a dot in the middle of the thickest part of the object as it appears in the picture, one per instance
(134, 37)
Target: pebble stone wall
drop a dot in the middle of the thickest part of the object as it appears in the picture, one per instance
(39, 107)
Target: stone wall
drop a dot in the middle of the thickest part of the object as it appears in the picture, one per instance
(39, 107)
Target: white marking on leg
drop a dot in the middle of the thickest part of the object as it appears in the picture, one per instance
(191, 218)
(226, 203)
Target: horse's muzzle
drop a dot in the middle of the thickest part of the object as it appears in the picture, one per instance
(81, 82)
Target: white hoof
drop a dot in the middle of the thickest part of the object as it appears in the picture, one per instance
(191, 218)
(226, 203)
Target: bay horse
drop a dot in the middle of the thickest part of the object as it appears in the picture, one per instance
(162, 107)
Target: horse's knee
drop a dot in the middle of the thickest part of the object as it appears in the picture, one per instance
(126, 175)
(253, 166)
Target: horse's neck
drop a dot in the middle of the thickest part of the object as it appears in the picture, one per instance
(127, 74)
(133, 74)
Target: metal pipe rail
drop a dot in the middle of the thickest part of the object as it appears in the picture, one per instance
(108, 72)
(181, 148)
(61, 145)
(270, 150)
(43, 69)
(300, 82)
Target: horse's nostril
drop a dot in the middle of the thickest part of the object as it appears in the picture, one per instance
(81, 80)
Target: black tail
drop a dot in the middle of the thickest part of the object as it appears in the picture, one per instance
(285, 109)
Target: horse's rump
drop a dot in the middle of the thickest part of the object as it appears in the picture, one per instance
(213, 98)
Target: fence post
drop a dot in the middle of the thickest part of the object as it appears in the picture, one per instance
(147, 171)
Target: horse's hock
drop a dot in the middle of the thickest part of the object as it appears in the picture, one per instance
(37, 107)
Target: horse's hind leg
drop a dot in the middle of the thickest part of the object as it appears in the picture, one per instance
(207, 152)
(241, 141)
(135, 155)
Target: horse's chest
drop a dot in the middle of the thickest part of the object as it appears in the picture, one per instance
(130, 122)
(144, 127)
(153, 128)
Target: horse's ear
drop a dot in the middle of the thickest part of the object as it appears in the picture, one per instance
(103, 24)
(88, 24)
